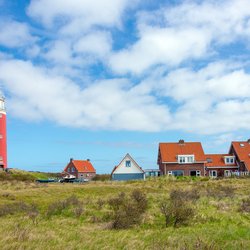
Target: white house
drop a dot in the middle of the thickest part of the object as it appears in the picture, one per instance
(127, 169)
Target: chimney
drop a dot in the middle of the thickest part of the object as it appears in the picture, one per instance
(88, 159)
(71, 159)
(248, 141)
(181, 141)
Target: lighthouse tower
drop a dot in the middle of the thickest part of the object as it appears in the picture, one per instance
(3, 135)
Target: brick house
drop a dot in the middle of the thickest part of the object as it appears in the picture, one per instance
(220, 165)
(81, 169)
(188, 159)
(181, 158)
(241, 151)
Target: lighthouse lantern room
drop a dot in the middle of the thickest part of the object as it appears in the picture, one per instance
(3, 135)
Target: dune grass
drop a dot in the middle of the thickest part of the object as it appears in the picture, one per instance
(82, 221)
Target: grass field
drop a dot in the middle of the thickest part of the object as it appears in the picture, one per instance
(31, 218)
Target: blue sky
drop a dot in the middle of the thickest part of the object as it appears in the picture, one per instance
(99, 79)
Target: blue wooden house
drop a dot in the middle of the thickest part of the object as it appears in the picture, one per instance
(127, 169)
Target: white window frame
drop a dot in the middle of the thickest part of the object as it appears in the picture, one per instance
(170, 173)
(184, 159)
(198, 173)
(211, 173)
(227, 173)
(229, 160)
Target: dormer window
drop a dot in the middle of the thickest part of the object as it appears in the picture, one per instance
(185, 159)
(242, 145)
(229, 159)
(209, 160)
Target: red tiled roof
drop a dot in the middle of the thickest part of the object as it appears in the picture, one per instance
(218, 160)
(83, 166)
(170, 150)
(242, 149)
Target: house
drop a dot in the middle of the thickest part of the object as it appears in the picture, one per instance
(221, 165)
(81, 169)
(127, 169)
(241, 151)
(181, 158)
(152, 172)
(188, 159)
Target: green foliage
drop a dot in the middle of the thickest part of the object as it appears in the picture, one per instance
(219, 218)
(57, 207)
(178, 209)
(20, 175)
(127, 210)
(102, 177)
(245, 205)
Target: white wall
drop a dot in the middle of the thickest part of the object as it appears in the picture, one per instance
(122, 169)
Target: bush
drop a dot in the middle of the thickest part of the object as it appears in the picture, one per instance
(127, 210)
(102, 177)
(220, 192)
(17, 207)
(178, 208)
(57, 207)
(245, 205)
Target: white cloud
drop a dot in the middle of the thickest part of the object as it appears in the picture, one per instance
(160, 46)
(211, 100)
(15, 34)
(108, 104)
(188, 31)
(78, 14)
(97, 43)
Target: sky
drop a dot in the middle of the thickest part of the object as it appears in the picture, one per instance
(90, 79)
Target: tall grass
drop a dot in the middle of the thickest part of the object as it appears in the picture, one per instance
(78, 216)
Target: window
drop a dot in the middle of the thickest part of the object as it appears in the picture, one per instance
(209, 160)
(185, 159)
(176, 172)
(213, 173)
(128, 163)
(72, 169)
(229, 160)
(195, 173)
(182, 159)
(227, 173)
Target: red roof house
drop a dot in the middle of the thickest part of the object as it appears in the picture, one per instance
(241, 150)
(219, 165)
(81, 169)
(181, 158)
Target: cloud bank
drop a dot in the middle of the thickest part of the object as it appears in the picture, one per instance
(114, 65)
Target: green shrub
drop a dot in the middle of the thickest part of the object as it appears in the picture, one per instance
(245, 205)
(57, 207)
(16, 207)
(102, 177)
(127, 210)
(178, 209)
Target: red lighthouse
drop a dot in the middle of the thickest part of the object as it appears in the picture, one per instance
(3, 135)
